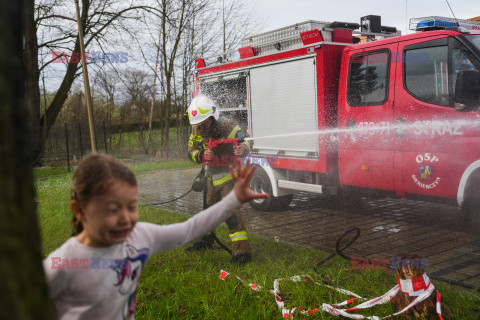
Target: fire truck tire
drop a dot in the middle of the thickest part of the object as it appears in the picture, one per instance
(260, 183)
(471, 208)
(351, 200)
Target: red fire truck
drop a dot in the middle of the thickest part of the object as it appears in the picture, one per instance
(394, 115)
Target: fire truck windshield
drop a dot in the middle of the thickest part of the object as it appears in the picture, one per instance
(475, 40)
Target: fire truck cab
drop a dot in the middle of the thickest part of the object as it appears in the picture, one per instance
(396, 115)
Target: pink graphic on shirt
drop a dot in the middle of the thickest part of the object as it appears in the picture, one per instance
(128, 273)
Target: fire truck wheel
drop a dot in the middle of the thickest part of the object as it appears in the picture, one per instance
(261, 183)
(471, 208)
(351, 200)
(471, 213)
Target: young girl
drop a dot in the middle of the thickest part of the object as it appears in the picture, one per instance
(94, 274)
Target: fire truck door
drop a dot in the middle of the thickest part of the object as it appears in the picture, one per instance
(431, 143)
(366, 153)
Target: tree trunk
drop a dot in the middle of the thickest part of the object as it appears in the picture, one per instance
(32, 82)
(141, 139)
(24, 290)
(410, 267)
(168, 106)
(150, 148)
(162, 125)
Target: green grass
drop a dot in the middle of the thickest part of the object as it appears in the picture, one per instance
(136, 166)
(176, 285)
(129, 143)
(53, 196)
(161, 165)
(49, 172)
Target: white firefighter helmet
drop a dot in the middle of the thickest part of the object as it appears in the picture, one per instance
(201, 109)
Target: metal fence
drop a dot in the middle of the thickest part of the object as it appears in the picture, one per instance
(68, 143)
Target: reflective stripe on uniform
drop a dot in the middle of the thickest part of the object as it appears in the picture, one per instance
(249, 146)
(237, 236)
(222, 180)
(217, 176)
(195, 138)
(195, 153)
(234, 132)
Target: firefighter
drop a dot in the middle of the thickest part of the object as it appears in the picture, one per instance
(206, 123)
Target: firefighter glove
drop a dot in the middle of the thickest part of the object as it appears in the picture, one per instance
(200, 181)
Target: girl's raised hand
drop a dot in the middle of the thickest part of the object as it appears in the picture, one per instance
(242, 178)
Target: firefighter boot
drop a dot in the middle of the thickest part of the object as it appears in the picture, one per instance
(241, 251)
(206, 242)
(241, 258)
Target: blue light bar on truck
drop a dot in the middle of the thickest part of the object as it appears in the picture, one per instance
(434, 22)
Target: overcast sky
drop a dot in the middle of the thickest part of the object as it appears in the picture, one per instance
(281, 13)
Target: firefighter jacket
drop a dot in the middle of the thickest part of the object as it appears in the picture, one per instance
(223, 155)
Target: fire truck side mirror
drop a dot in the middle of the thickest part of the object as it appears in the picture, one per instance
(467, 90)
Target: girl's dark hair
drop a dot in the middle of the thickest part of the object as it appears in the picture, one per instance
(93, 177)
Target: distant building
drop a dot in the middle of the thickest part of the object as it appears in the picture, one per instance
(475, 19)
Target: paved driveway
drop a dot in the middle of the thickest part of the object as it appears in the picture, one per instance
(388, 226)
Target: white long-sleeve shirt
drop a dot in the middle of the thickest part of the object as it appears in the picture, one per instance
(100, 283)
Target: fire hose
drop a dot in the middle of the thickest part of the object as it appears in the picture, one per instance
(338, 251)
(214, 236)
(164, 202)
(211, 144)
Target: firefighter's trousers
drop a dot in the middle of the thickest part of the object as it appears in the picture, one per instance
(238, 233)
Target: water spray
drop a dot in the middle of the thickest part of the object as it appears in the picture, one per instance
(425, 127)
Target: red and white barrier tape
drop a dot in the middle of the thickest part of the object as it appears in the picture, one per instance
(414, 287)
(420, 288)
(288, 314)
(224, 274)
(439, 305)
